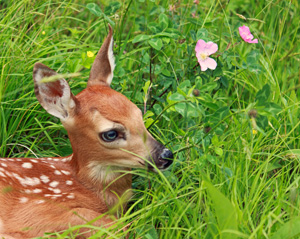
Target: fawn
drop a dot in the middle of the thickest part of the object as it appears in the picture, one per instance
(108, 137)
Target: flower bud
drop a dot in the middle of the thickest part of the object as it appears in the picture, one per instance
(196, 92)
(252, 113)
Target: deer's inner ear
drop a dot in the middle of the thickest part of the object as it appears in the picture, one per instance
(54, 96)
(104, 64)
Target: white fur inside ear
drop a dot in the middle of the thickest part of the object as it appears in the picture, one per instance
(111, 60)
(55, 97)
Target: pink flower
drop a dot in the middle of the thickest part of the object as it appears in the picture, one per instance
(246, 34)
(203, 50)
(196, 2)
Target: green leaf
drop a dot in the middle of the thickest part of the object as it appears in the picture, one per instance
(212, 159)
(220, 114)
(225, 212)
(263, 95)
(253, 57)
(272, 108)
(152, 234)
(156, 43)
(140, 38)
(253, 62)
(184, 86)
(255, 68)
(289, 230)
(209, 86)
(262, 121)
(215, 140)
(148, 114)
(152, 26)
(202, 34)
(219, 151)
(148, 122)
(163, 21)
(187, 110)
(146, 89)
(112, 8)
(176, 97)
(95, 9)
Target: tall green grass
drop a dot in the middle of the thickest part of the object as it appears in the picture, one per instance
(227, 181)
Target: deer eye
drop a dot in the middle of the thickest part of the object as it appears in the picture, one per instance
(109, 136)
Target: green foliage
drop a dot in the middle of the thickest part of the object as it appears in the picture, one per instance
(234, 130)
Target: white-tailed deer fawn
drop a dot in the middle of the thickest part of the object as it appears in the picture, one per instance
(108, 137)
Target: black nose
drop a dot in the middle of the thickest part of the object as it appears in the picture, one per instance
(165, 157)
(167, 154)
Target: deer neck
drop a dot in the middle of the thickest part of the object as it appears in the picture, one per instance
(111, 184)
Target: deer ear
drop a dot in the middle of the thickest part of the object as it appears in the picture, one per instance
(55, 97)
(104, 64)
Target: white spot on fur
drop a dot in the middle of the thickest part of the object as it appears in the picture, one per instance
(19, 160)
(9, 159)
(56, 159)
(27, 165)
(39, 201)
(69, 182)
(34, 161)
(54, 184)
(67, 159)
(4, 165)
(28, 191)
(71, 196)
(29, 181)
(16, 175)
(45, 179)
(56, 196)
(56, 190)
(37, 190)
(65, 172)
(57, 172)
(3, 159)
(2, 169)
(23, 200)
(2, 175)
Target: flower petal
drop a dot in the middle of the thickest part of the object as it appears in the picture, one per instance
(200, 46)
(246, 34)
(203, 65)
(210, 63)
(211, 48)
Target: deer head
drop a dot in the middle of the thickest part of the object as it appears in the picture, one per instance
(105, 128)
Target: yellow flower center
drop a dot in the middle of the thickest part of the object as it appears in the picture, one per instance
(90, 54)
(203, 56)
(43, 32)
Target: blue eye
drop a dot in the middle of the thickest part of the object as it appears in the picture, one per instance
(109, 136)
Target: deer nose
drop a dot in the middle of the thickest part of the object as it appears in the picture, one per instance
(165, 158)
